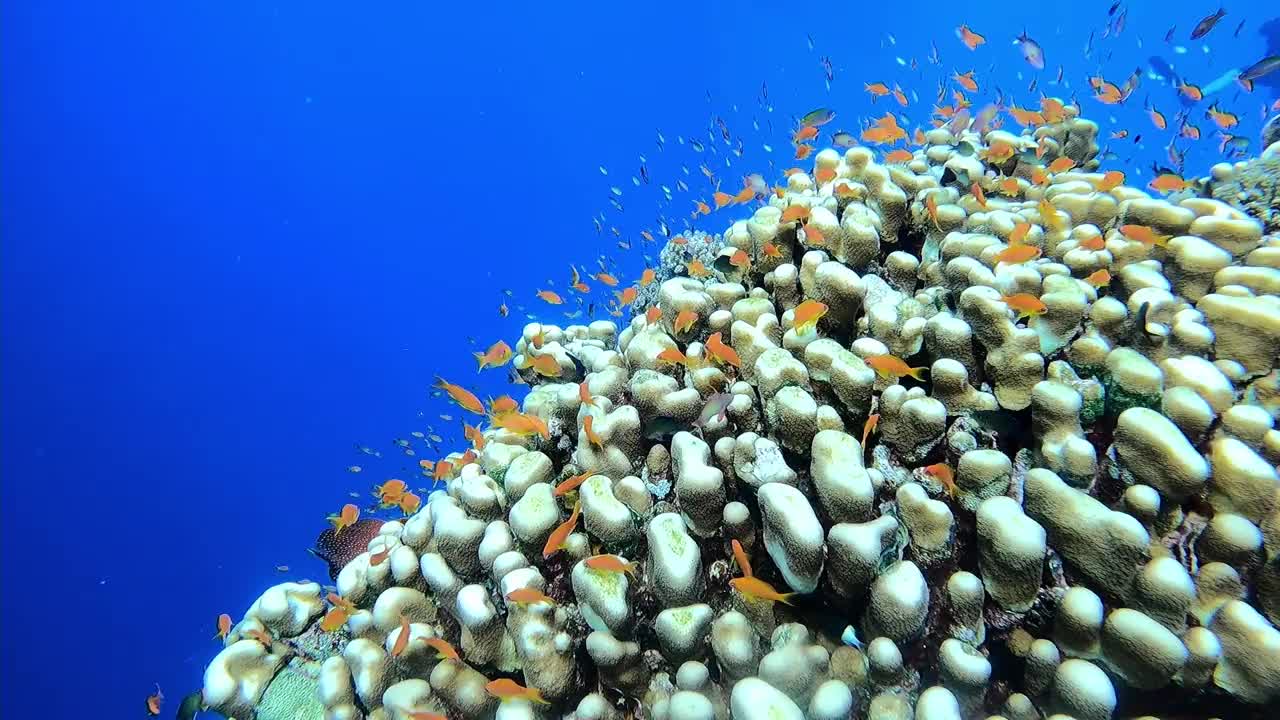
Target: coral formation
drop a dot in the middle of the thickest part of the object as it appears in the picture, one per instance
(930, 480)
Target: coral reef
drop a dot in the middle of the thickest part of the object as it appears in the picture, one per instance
(931, 480)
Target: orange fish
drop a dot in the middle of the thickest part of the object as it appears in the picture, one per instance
(1144, 235)
(1093, 243)
(653, 315)
(702, 208)
(966, 81)
(697, 269)
(460, 395)
(869, 427)
(981, 197)
(607, 279)
(824, 175)
(344, 519)
(1222, 119)
(1189, 131)
(1039, 176)
(522, 424)
(745, 195)
(899, 156)
(428, 466)
(1110, 181)
(555, 542)
(390, 491)
(1009, 186)
(970, 38)
(1053, 109)
(771, 250)
(844, 191)
(154, 701)
(550, 296)
(444, 651)
(1025, 305)
(803, 151)
(805, 133)
(814, 236)
(593, 437)
(339, 601)
(584, 394)
(610, 563)
(1099, 278)
(725, 354)
(381, 556)
(425, 715)
(334, 619)
(721, 199)
(1168, 182)
(943, 474)
(544, 365)
(528, 596)
(1157, 118)
(673, 356)
(224, 626)
(877, 89)
(740, 259)
(503, 404)
(891, 367)
(505, 689)
(900, 96)
(409, 503)
(444, 468)
(647, 277)
(740, 556)
(1015, 254)
(571, 484)
(474, 436)
(262, 637)
(998, 152)
(931, 206)
(795, 212)
(402, 639)
(497, 355)
(684, 321)
(627, 296)
(807, 315)
(1062, 164)
(1049, 215)
(755, 588)
(1019, 233)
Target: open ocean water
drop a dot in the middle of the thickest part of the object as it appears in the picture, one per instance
(240, 240)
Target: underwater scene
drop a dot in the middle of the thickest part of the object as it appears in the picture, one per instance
(640, 361)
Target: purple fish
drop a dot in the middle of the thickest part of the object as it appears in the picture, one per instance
(1203, 27)
(1032, 51)
(715, 409)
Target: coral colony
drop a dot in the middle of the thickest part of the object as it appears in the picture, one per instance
(964, 435)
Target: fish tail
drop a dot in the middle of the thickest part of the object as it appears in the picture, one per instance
(918, 373)
(785, 598)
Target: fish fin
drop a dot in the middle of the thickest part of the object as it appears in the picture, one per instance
(918, 373)
(785, 598)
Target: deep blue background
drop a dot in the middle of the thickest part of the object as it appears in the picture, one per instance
(238, 239)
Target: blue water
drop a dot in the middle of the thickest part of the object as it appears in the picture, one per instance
(240, 238)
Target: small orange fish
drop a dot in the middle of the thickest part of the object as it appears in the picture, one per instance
(1191, 92)
(593, 437)
(684, 321)
(550, 296)
(931, 206)
(740, 556)
(461, 396)
(444, 468)
(755, 588)
(771, 250)
(409, 503)
(697, 269)
(1222, 119)
(900, 96)
(607, 279)
(824, 175)
(473, 435)
(1062, 164)
(740, 259)
(1025, 304)
(943, 474)
(647, 277)
(402, 639)
(1039, 176)
(899, 156)
(628, 296)
(381, 556)
(1144, 235)
(970, 38)
(1009, 186)
(721, 199)
(345, 518)
(807, 315)
(1093, 243)
(390, 491)
(506, 689)
(672, 356)
(745, 195)
(795, 212)
(1019, 233)
(528, 596)
(805, 133)
(1049, 215)
(701, 208)
(725, 354)
(966, 81)
(814, 236)
(1099, 278)
(555, 542)
(1168, 182)
(845, 191)
(571, 484)
(339, 601)
(334, 619)
(869, 427)
(503, 404)
(610, 563)
(154, 702)
(653, 315)
(497, 355)
(524, 425)
(981, 197)
(1157, 118)
(999, 152)
(1110, 181)
(444, 651)
(1015, 254)
(891, 367)
(584, 394)
(224, 626)
(544, 365)
(877, 89)
(803, 151)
